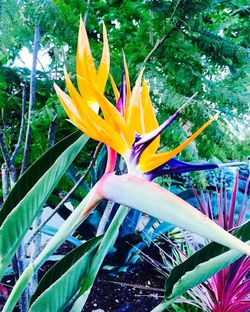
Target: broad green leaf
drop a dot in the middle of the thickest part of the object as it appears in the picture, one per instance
(64, 279)
(34, 173)
(200, 266)
(72, 222)
(106, 243)
(20, 218)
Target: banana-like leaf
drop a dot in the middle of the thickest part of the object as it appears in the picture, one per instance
(107, 242)
(64, 279)
(68, 227)
(18, 219)
(34, 173)
(200, 266)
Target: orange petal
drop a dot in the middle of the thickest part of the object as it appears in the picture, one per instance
(134, 109)
(151, 162)
(112, 115)
(73, 113)
(89, 122)
(76, 97)
(103, 70)
(150, 121)
(114, 87)
(85, 66)
(128, 91)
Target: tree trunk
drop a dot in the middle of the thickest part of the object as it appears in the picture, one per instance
(22, 127)
(52, 131)
(19, 259)
(35, 251)
(7, 160)
(151, 31)
(21, 251)
(31, 100)
(105, 218)
(86, 15)
(5, 181)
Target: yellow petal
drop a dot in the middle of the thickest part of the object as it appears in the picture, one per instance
(112, 115)
(151, 162)
(88, 121)
(73, 113)
(76, 97)
(128, 89)
(85, 66)
(103, 70)
(114, 87)
(134, 110)
(150, 121)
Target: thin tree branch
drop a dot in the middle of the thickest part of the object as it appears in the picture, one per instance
(19, 260)
(31, 100)
(4, 150)
(3, 118)
(60, 205)
(151, 30)
(138, 286)
(22, 127)
(244, 10)
(86, 15)
(35, 251)
(5, 181)
(159, 42)
(6, 156)
(175, 8)
(156, 46)
(52, 131)
(105, 218)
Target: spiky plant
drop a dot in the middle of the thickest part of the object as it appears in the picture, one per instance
(229, 289)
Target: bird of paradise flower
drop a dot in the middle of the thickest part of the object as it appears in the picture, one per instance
(131, 129)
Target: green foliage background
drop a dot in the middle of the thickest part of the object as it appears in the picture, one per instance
(204, 48)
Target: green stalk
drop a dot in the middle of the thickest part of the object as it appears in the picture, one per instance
(106, 243)
(163, 305)
(73, 221)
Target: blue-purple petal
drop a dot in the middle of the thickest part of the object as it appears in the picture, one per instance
(175, 166)
(121, 103)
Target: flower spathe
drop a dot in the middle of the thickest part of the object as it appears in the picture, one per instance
(150, 198)
(131, 129)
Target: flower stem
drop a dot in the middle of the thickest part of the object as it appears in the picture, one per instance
(73, 221)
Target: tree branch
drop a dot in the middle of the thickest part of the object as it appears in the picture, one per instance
(151, 30)
(60, 205)
(6, 156)
(5, 181)
(159, 42)
(105, 218)
(243, 10)
(86, 15)
(31, 100)
(22, 127)
(52, 131)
